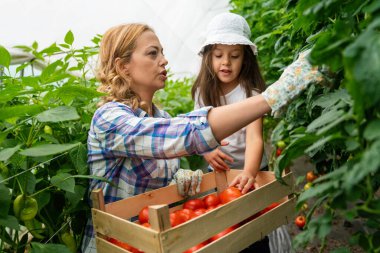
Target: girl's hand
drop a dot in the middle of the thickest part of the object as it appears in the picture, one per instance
(245, 181)
(216, 159)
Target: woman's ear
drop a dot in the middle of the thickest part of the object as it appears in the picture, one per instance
(121, 67)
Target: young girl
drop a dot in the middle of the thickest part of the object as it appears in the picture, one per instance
(230, 73)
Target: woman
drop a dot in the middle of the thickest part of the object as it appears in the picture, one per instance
(134, 144)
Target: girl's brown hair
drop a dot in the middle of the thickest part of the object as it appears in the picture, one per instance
(208, 84)
(118, 42)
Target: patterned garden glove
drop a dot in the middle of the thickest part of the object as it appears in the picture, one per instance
(295, 78)
(188, 182)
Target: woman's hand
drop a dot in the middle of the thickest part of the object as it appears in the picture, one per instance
(188, 182)
(245, 181)
(295, 78)
(217, 158)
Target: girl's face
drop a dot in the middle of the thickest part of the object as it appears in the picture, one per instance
(147, 65)
(227, 61)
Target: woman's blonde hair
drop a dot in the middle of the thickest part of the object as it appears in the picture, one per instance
(118, 42)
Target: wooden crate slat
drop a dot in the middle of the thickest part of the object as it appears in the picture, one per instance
(134, 234)
(253, 231)
(177, 239)
(165, 195)
(103, 246)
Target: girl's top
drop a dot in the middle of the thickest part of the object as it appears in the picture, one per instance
(236, 146)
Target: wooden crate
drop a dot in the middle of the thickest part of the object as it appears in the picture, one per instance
(113, 219)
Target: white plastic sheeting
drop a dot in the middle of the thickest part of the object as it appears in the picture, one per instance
(180, 24)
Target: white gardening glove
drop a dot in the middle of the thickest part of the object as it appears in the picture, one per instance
(188, 182)
(295, 78)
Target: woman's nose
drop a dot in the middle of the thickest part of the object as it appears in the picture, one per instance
(226, 61)
(164, 62)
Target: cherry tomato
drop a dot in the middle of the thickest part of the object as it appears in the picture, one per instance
(229, 194)
(144, 215)
(281, 144)
(300, 221)
(211, 200)
(193, 204)
(278, 152)
(310, 176)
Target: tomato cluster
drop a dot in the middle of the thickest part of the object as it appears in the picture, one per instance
(193, 208)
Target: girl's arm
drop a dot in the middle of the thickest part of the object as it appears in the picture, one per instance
(253, 155)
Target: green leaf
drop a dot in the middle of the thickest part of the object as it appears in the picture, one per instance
(5, 200)
(58, 114)
(369, 163)
(68, 93)
(76, 196)
(372, 132)
(10, 222)
(318, 190)
(325, 119)
(48, 149)
(19, 111)
(28, 182)
(78, 157)
(64, 181)
(7, 153)
(49, 248)
(362, 64)
(69, 38)
(49, 71)
(321, 142)
(5, 57)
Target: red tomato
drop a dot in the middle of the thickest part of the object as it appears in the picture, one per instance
(146, 224)
(300, 221)
(278, 152)
(185, 214)
(211, 200)
(310, 176)
(144, 215)
(120, 244)
(199, 212)
(223, 233)
(195, 248)
(193, 204)
(229, 194)
(175, 219)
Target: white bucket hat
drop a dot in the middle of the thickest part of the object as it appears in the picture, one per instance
(228, 29)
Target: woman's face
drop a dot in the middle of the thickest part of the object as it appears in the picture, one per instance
(227, 61)
(147, 65)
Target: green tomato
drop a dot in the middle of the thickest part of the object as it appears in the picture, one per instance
(48, 130)
(281, 144)
(25, 208)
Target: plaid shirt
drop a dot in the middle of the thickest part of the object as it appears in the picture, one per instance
(139, 153)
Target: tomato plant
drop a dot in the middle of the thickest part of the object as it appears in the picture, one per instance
(335, 126)
(229, 194)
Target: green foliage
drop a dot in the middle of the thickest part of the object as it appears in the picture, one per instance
(45, 117)
(336, 126)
